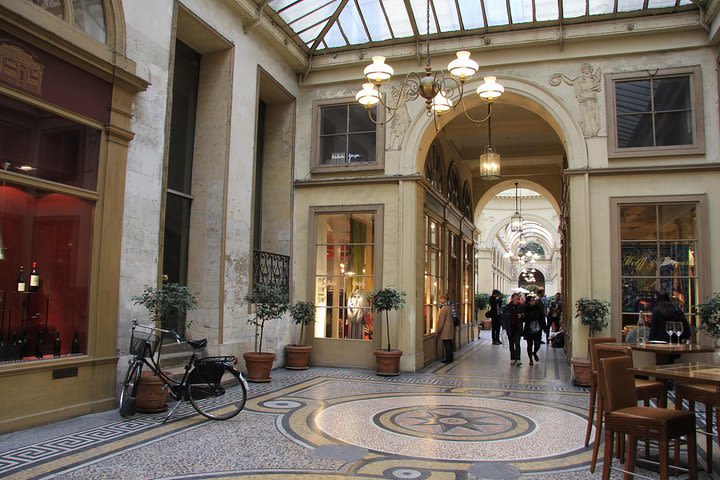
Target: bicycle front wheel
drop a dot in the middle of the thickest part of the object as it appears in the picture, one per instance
(217, 400)
(129, 389)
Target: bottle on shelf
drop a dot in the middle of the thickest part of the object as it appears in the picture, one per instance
(34, 278)
(75, 346)
(57, 345)
(21, 280)
(40, 346)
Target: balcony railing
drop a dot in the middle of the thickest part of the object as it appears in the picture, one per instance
(271, 270)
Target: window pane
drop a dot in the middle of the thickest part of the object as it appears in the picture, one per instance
(361, 148)
(629, 5)
(677, 259)
(447, 16)
(399, 20)
(677, 221)
(352, 24)
(419, 8)
(573, 8)
(332, 150)
(52, 6)
(54, 230)
(361, 228)
(673, 128)
(521, 10)
(638, 222)
(546, 10)
(496, 11)
(471, 14)
(177, 233)
(89, 17)
(634, 131)
(639, 259)
(632, 97)
(375, 20)
(672, 93)
(333, 120)
(44, 145)
(638, 294)
(334, 37)
(360, 120)
(600, 7)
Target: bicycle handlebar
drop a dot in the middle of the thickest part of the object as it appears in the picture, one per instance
(153, 328)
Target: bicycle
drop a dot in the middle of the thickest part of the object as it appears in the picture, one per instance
(212, 385)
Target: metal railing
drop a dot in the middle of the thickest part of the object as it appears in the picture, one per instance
(271, 270)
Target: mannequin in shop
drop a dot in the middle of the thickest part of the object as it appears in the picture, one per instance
(356, 309)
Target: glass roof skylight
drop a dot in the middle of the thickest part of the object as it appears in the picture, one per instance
(337, 24)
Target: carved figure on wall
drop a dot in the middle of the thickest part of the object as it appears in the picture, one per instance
(399, 123)
(586, 88)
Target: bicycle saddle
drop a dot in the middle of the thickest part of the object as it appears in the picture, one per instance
(196, 344)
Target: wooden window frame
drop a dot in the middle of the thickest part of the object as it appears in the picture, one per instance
(696, 104)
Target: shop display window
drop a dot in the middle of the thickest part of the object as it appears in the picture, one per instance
(658, 245)
(40, 144)
(345, 275)
(347, 135)
(45, 245)
(433, 274)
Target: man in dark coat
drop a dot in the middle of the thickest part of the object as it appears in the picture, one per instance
(495, 307)
(512, 315)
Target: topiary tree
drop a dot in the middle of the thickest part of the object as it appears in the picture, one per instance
(269, 303)
(387, 299)
(593, 313)
(302, 313)
(168, 299)
(709, 312)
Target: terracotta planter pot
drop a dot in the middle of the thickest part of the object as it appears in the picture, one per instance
(258, 366)
(388, 363)
(297, 357)
(151, 395)
(582, 374)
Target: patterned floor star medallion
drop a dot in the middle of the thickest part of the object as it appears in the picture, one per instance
(449, 422)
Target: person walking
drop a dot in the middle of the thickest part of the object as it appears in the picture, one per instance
(512, 314)
(553, 316)
(446, 328)
(496, 299)
(534, 321)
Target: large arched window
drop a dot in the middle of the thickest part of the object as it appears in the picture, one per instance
(433, 171)
(87, 15)
(453, 186)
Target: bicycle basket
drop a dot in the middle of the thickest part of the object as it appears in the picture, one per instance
(143, 341)
(208, 370)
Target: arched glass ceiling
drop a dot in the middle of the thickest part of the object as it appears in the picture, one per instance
(334, 24)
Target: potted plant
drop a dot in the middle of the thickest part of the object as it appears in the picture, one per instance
(593, 313)
(297, 356)
(482, 300)
(269, 304)
(384, 300)
(168, 299)
(709, 312)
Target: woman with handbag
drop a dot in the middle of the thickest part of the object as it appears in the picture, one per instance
(534, 326)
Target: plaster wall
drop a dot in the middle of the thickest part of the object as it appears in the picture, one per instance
(151, 35)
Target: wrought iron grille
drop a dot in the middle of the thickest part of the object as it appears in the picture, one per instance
(271, 270)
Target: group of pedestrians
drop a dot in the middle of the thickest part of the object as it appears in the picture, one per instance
(524, 320)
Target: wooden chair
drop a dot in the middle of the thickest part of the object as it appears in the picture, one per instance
(644, 390)
(707, 395)
(592, 341)
(625, 417)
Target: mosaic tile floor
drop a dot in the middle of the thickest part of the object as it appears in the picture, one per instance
(477, 418)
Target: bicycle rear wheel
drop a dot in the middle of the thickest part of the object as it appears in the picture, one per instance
(217, 400)
(129, 389)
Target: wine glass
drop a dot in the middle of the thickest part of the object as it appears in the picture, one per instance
(670, 328)
(678, 330)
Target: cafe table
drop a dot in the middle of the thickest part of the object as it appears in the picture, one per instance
(693, 372)
(665, 353)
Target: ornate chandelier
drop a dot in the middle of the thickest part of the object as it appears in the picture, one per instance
(437, 89)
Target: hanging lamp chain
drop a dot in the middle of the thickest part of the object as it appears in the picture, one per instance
(427, 31)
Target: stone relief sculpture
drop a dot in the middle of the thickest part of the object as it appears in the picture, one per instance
(399, 123)
(586, 88)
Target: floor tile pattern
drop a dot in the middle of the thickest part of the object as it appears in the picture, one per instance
(478, 417)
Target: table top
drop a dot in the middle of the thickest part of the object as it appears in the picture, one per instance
(694, 372)
(670, 348)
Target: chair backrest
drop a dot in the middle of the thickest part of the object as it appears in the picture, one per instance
(617, 383)
(592, 341)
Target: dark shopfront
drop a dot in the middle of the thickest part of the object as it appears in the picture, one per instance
(62, 165)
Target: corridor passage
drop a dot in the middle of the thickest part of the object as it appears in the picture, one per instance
(478, 417)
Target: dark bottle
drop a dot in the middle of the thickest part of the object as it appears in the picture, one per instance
(40, 347)
(57, 345)
(21, 280)
(75, 347)
(34, 278)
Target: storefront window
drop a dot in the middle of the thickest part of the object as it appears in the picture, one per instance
(45, 245)
(433, 280)
(468, 298)
(344, 275)
(347, 135)
(45, 232)
(658, 247)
